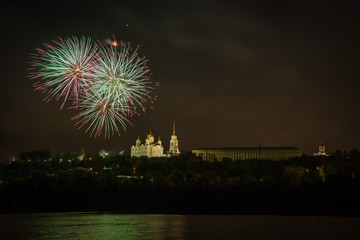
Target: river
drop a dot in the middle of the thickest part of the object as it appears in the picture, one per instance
(87, 226)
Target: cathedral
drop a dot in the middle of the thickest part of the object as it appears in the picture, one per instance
(155, 149)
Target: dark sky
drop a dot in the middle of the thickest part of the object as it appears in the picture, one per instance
(284, 73)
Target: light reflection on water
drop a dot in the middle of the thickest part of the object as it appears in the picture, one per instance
(83, 226)
(87, 226)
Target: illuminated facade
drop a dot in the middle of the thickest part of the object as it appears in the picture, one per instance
(152, 149)
(261, 153)
(322, 151)
(174, 143)
(149, 149)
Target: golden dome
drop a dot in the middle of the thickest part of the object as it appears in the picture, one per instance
(150, 135)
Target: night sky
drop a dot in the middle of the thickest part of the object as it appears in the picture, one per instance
(230, 74)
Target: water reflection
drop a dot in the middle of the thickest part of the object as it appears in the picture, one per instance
(87, 226)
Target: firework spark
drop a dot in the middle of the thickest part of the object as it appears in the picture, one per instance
(122, 75)
(102, 114)
(64, 69)
(107, 82)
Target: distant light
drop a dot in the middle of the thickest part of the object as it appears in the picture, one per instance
(114, 43)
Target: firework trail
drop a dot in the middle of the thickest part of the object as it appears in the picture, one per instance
(64, 69)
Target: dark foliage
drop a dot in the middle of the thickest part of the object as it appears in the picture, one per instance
(181, 184)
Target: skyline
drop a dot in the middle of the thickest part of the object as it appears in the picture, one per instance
(230, 74)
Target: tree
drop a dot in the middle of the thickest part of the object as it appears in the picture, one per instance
(294, 175)
(355, 154)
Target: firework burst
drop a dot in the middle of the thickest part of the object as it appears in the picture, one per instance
(100, 113)
(120, 74)
(107, 82)
(64, 69)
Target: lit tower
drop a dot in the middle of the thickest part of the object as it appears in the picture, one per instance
(322, 151)
(174, 143)
(138, 141)
(322, 148)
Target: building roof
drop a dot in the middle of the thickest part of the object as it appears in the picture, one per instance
(247, 148)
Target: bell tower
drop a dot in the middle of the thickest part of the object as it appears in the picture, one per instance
(174, 143)
(321, 148)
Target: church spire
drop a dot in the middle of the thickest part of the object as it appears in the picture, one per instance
(174, 128)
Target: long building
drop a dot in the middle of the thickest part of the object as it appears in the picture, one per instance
(244, 153)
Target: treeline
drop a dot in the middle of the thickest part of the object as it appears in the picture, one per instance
(181, 184)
